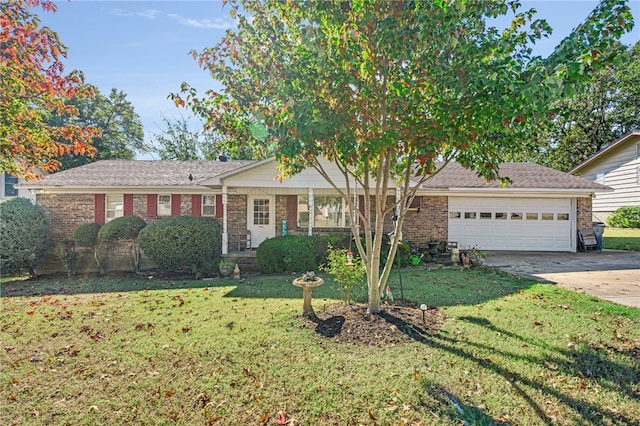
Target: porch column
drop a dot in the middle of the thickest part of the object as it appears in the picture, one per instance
(225, 231)
(311, 211)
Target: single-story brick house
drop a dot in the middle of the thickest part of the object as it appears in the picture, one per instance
(541, 210)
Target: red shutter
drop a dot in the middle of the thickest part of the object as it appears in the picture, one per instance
(196, 205)
(98, 203)
(152, 205)
(292, 211)
(128, 204)
(175, 204)
(219, 209)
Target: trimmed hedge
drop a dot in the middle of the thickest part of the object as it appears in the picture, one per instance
(296, 253)
(181, 242)
(86, 235)
(625, 217)
(121, 228)
(24, 230)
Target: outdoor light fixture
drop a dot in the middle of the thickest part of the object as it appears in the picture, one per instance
(349, 258)
(423, 308)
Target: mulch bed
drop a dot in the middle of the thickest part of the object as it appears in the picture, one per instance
(352, 324)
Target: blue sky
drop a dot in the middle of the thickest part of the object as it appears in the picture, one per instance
(141, 47)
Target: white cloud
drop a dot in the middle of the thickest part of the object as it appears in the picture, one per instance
(148, 13)
(152, 14)
(218, 24)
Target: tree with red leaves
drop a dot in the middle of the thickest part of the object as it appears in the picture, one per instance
(32, 87)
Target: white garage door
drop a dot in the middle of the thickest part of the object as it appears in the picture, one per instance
(511, 223)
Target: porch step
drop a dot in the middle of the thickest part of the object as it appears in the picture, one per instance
(246, 260)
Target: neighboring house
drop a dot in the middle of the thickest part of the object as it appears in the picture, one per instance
(541, 210)
(618, 167)
(8, 189)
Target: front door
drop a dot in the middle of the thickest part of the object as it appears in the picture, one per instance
(261, 218)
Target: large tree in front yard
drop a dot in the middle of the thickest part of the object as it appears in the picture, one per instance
(390, 90)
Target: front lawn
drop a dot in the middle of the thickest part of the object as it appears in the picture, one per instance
(144, 351)
(621, 239)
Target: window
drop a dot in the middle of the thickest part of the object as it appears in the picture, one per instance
(547, 216)
(454, 215)
(328, 212)
(516, 216)
(502, 216)
(209, 205)
(638, 175)
(532, 216)
(9, 189)
(303, 211)
(164, 205)
(114, 206)
(469, 215)
(600, 178)
(485, 215)
(563, 216)
(261, 211)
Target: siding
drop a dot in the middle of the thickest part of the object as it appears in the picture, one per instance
(620, 168)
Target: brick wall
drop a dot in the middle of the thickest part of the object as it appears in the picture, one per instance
(281, 213)
(584, 214)
(429, 224)
(67, 212)
(237, 220)
(140, 206)
(185, 205)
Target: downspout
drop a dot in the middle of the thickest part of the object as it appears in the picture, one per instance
(225, 233)
(574, 225)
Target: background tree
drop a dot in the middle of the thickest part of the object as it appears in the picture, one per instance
(180, 141)
(121, 129)
(32, 85)
(386, 89)
(607, 109)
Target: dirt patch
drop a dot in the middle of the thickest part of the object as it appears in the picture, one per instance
(351, 324)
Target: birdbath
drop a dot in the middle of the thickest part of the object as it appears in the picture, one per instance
(307, 287)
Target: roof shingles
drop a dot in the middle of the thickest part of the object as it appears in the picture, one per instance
(167, 173)
(139, 173)
(523, 176)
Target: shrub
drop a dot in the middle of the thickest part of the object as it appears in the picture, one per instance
(24, 235)
(288, 253)
(125, 228)
(180, 242)
(344, 275)
(65, 252)
(121, 228)
(625, 217)
(295, 253)
(86, 235)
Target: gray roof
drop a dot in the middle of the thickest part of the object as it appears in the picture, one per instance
(523, 175)
(171, 174)
(138, 173)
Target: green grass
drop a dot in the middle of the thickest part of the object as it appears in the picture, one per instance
(621, 239)
(142, 351)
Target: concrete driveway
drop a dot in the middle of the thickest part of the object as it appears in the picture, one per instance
(611, 274)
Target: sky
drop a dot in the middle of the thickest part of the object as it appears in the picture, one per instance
(142, 47)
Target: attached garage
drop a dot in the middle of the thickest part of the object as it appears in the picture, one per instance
(538, 224)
